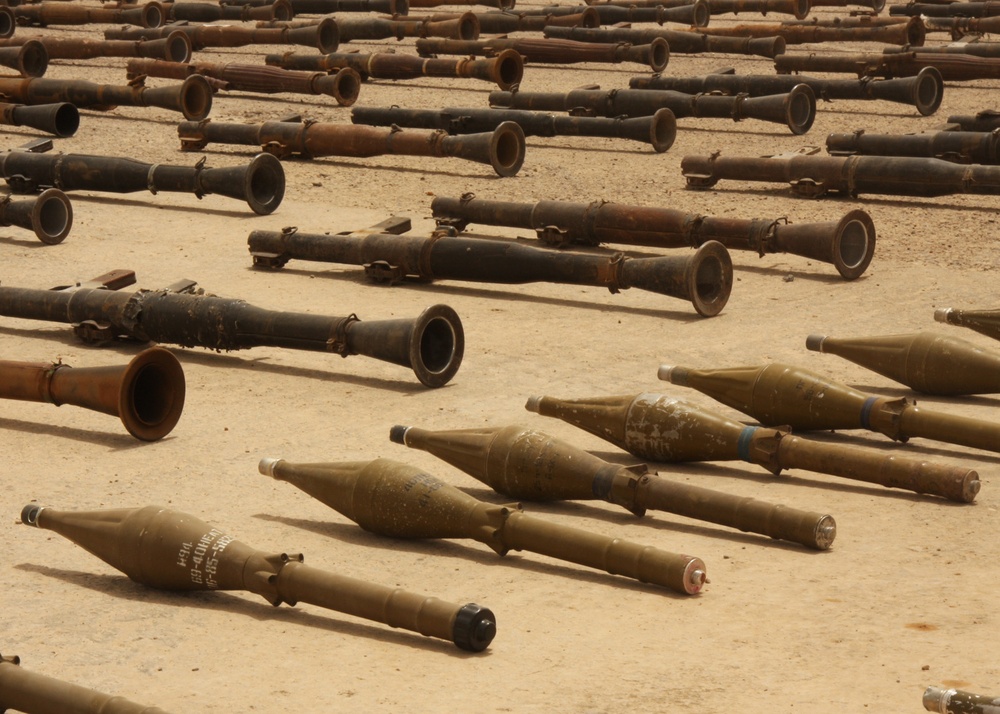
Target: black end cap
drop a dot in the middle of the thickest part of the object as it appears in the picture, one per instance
(475, 627)
(397, 434)
(29, 514)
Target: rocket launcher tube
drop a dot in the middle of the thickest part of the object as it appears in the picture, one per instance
(655, 54)
(658, 130)
(953, 67)
(29, 57)
(432, 344)
(923, 91)
(911, 32)
(27, 691)
(261, 183)
(49, 215)
(848, 244)
(680, 42)
(985, 322)
(528, 464)
(175, 47)
(796, 109)
(657, 427)
(58, 13)
(703, 277)
(170, 550)
(344, 86)
(192, 98)
(398, 500)
(323, 35)
(925, 362)
(777, 394)
(506, 69)
(963, 147)
(502, 148)
(816, 176)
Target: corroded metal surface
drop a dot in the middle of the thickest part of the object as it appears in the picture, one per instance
(321, 34)
(432, 344)
(60, 13)
(953, 67)
(344, 85)
(926, 362)
(986, 322)
(401, 501)
(147, 394)
(795, 109)
(963, 147)
(660, 428)
(779, 394)
(911, 33)
(60, 118)
(26, 691)
(261, 183)
(170, 550)
(192, 98)
(848, 244)
(704, 277)
(658, 130)
(923, 91)
(816, 176)
(28, 56)
(175, 47)
(210, 12)
(505, 70)
(655, 54)
(527, 464)
(952, 9)
(502, 147)
(680, 42)
(50, 215)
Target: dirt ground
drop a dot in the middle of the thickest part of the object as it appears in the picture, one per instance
(905, 598)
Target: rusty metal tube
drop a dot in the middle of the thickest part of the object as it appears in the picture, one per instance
(497, 23)
(656, 54)
(777, 394)
(147, 394)
(210, 12)
(848, 244)
(953, 67)
(261, 183)
(44, 14)
(325, 7)
(7, 22)
(322, 34)
(910, 32)
(961, 26)
(963, 147)
(192, 98)
(796, 109)
(501, 4)
(696, 13)
(658, 130)
(798, 8)
(527, 464)
(61, 118)
(169, 550)
(400, 501)
(983, 121)
(49, 215)
(923, 91)
(29, 57)
(175, 47)
(502, 148)
(704, 277)
(465, 28)
(951, 9)
(658, 427)
(679, 41)
(986, 322)
(815, 176)
(506, 69)
(432, 344)
(926, 362)
(344, 86)
(27, 691)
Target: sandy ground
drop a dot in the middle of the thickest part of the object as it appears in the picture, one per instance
(906, 597)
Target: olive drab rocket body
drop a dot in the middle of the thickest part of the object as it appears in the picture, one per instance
(779, 394)
(926, 362)
(25, 691)
(398, 500)
(524, 463)
(170, 550)
(658, 427)
(986, 322)
(956, 701)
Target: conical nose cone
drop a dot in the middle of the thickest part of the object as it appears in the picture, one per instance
(604, 417)
(329, 483)
(926, 362)
(734, 386)
(465, 449)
